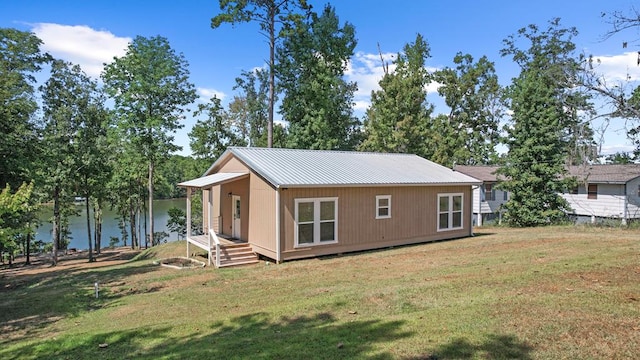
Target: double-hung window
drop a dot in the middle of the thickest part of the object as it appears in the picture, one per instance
(316, 221)
(450, 211)
(383, 206)
(489, 192)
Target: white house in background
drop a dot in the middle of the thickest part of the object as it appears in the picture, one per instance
(487, 200)
(605, 191)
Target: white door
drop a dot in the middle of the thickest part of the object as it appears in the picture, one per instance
(235, 231)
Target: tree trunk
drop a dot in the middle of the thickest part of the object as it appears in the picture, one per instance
(55, 234)
(86, 205)
(132, 227)
(272, 76)
(123, 231)
(151, 168)
(97, 219)
(28, 247)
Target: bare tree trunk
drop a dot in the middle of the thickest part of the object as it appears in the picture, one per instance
(86, 205)
(272, 76)
(151, 169)
(55, 234)
(28, 247)
(132, 226)
(97, 219)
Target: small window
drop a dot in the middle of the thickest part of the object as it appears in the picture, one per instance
(638, 190)
(592, 192)
(505, 195)
(383, 206)
(489, 194)
(450, 211)
(574, 191)
(316, 221)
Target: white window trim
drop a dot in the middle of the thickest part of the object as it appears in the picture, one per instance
(450, 211)
(378, 207)
(316, 215)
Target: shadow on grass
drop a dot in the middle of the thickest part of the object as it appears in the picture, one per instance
(494, 347)
(254, 336)
(30, 303)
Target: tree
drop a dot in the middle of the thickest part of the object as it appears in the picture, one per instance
(317, 101)
(271, 15)
(249, 111)
(534, 167)
(209, 138)
(399, 115)
(469, 133)
(177, 221)
(20, 58)
(17, 216)
(150, 87)
(65, 107)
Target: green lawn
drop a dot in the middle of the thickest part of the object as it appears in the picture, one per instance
(544, 293)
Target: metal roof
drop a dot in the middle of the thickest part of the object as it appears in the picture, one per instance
(210, 180)
(323, 168)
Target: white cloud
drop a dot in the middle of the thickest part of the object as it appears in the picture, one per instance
(615, 68)
(367, 71)
(81, 45)
(615, 148)
(206, 94)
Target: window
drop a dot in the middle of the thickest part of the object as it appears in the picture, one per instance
(383, 206)
(638, 190)
(489, 192)
(316, 221)
(505, 195)
(592, 192)
(449, 212)
(574, 191)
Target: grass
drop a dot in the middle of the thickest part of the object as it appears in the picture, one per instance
(548, 293)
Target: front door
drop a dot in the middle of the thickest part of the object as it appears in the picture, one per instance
(235, 227)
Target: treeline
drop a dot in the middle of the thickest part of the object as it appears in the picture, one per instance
(123, 156)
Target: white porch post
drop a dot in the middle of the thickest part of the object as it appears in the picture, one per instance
(188, 218)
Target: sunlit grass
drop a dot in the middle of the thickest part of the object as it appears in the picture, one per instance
(549, 293)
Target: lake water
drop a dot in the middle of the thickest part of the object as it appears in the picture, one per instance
(78, 224)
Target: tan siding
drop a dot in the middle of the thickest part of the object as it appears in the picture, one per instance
(205, 211)
(231, 165)
(413, 218)
(262, 217)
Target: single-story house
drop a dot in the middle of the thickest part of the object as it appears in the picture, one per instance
(287, 204)
(487, 200)
(605, 191)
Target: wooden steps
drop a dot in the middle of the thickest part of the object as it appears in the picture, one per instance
(235, 255)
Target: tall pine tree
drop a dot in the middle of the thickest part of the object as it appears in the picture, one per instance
(399, 116)
(534, 167)
(317, 100)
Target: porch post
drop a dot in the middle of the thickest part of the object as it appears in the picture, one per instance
(188, 218)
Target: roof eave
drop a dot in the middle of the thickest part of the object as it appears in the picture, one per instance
(353, 185)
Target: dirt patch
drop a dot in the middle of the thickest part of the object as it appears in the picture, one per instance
(41, 264)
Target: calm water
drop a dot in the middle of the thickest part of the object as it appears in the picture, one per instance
(78, 224)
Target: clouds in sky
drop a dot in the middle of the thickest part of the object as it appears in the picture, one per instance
(81, 45)
(207, 93)
(616, 68)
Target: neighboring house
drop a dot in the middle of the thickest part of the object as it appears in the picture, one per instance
(288, 204)
(605, 191)
(487, 200)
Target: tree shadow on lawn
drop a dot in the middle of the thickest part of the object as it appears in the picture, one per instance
(32, 302)
(494, 347)
(253, 336)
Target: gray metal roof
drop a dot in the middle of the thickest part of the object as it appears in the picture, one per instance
(321, 168)
(209, 180)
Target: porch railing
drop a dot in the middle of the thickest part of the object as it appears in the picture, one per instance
(213, 237)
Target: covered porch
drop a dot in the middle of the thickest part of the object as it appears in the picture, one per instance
(223, 218)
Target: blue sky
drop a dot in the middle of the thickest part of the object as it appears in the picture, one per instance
(92, 32)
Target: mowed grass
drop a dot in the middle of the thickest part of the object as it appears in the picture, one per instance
(544, 293)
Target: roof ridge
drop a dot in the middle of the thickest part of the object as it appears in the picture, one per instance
(242, 148)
